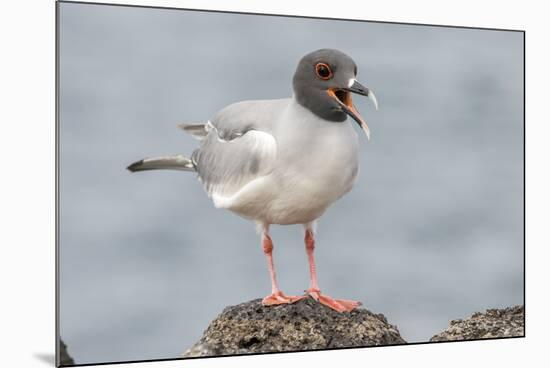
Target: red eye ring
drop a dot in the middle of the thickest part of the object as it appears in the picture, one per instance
(323, 71)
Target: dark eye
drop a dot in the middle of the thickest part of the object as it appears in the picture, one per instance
(323, 71)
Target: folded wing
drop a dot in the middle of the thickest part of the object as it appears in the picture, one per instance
(225, 166)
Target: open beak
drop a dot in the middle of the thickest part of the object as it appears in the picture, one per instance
(343, 97)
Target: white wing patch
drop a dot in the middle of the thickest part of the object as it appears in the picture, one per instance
(262, 143)
(248, 193)
(262, 148)
(228, 167)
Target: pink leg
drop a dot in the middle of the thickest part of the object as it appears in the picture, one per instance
(340, 305)
(277, 296)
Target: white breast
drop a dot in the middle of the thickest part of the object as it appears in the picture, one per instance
(317, 166)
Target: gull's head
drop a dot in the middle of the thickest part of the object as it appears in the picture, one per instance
(323, 83)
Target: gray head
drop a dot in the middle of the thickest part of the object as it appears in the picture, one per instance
(323, 83)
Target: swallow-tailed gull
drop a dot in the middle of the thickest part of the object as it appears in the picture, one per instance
(282, 161)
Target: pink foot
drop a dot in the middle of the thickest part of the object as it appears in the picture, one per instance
(280, 298)
(339, 305)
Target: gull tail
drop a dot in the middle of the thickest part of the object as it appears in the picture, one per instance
(176, 162)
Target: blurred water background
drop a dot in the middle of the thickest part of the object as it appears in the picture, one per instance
(432, 231)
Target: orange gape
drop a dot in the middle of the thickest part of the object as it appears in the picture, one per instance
(348, 103)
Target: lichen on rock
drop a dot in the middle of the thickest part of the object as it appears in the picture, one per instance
(493, 323)
(305, 325)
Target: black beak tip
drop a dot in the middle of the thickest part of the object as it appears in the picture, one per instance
(358, 88)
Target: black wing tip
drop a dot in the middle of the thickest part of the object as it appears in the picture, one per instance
(135, 166)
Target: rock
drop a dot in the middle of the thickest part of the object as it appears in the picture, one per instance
(305, 325)
(505, 322)
(65, 358)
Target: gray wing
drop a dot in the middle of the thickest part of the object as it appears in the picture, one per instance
(237, 147)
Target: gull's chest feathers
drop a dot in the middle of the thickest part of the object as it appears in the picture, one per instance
(317, 162)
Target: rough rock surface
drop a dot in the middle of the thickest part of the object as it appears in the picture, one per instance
(65, 358)
(505, 322)
(305, 325)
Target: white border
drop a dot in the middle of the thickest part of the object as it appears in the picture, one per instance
(27, 184)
